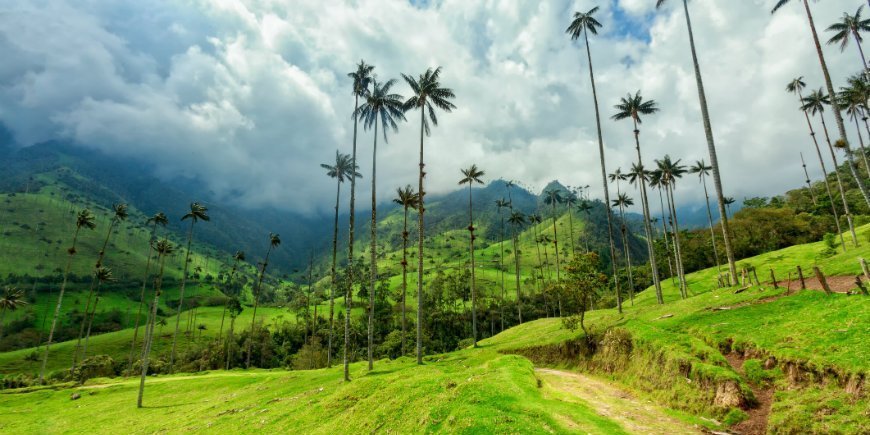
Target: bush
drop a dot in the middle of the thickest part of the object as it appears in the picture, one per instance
(97, 366)
(734, 416)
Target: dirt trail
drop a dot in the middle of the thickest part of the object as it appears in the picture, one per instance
(634, 415)
(756, 424)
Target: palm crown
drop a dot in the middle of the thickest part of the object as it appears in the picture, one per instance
(406, 197)
(670, 169)
(849, 26)
(380, 103)
(159, 218)
(164, 247)
(700, 168)
(583, 22)
(517, 218)
(342, 168)
(616, 175)
(816, 101)
(120, 211)
(197, 212)
(428, 94)
(274, 240)
(85, 219)
(637, 173)
(796, 85)
(553, 196)
(361, 78)
(622, 200)
(633, 106)
(12, 299)
(471, 175)
(239, 256)
(103, 274)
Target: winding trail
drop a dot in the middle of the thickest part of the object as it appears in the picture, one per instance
(634, 415)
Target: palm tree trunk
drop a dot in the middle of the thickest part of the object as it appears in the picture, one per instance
(57, 307)
(646, 222)
(473, 292)
(420, 210)
(840, 181)
(711, 147)
(540, 263)
(332, 271)
(556, 244)
(684, 288)
(348, 295)
(230, 339)
(374, 249)
(100, 257)
(571, 229)
(667, 238)
(860, 50)
(603, 176)
(2, 319)
(404, 277)
(824, 177)
(861, 142)
(710, 221)
(90, 323)
(181, 297)
(149, 339)
(627, 253)
(517, 265)
(838, 117)
(141, 301)
(256, 304)
(501, 270)
(809, 183)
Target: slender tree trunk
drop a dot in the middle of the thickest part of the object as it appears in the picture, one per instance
(57, 307)
(824, 176)
(860, 50)
(517, 265)
(226, 305)
(604, 176)
(556, 245)
(710, 221)
(230, 340)
(646, 221)
(711, 147)
(571, 229)
(501, 269)
(149, 339)
(332, 270)
(348, 295)
(540, 263)
(420, 210)
(90, 323)
(141, 301)
(684, 288)
(665, 231)
(404, 278)
(100, 257)
(838, 116)
(861, 142)
(840, 181)
(809, 183)
(374, 250)
(627, 252)
(256, 304)
(181, 296)
(473, 292)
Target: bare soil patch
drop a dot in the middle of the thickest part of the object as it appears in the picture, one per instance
(756, 424)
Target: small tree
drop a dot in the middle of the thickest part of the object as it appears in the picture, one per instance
(585, 280)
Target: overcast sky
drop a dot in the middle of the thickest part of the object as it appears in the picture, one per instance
(250, 96)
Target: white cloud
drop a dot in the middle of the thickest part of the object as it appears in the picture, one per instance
(250, 96)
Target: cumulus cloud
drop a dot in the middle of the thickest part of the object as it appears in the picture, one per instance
(250, 96)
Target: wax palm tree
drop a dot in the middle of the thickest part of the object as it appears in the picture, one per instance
(671, 170)
(499, 205)
(103, 275)
(796, 86)
(838, 117)
(84, 219)
(584, 206)
(554, 197)
(850, 27)
(654, 181)
(853, 100)
(703, 171)
(517, 220)
(198, 212)
(238, 258)
(585, 23)
(386, 108)
(815, 104)
(633, 107)
(274, 242)
(342, 170)
(158, 219)
(728, 201)
(361, 78)
(471, 176)
(407, 198)
(11, 300)
(164, 249)
(622, 202)
(119, 213)
(711, 146)
(428, 95)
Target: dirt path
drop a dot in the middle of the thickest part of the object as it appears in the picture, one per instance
(756, 424)
(634, 415)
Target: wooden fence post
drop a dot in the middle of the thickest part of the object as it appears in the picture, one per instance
(822, 279)
(788, 286)
(801, 277)
(865, 269)
(755, 274)
(861, 285)
(773, 278)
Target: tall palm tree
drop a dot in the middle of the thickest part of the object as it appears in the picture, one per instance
(84, 219)
(342, 170)
(407, 198)
(850, 27)
(535, 219)
(796, 87)
(711, 146)
(517, 220)
(428, 95)
(670, 171)
(703, 171)
(622, 202)
(584, 206)
(585, 23)
(815, 103)
(499, 205)
(274, 241)
(853, 101)
(158, 219)
(470, 176)
(238, 258)
(197, 212)
(571, 199)
(164, 249)
(553, 198)
(654, 181)
(119, 213)
(11, 300)
(632, 107)
(103, 275)
(728, 201)
(361, 78)
(838, 117)
(380, 105)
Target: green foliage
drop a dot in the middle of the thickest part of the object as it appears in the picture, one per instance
(734, 416)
